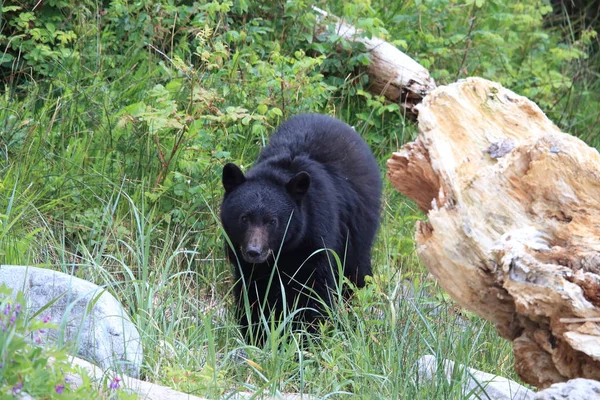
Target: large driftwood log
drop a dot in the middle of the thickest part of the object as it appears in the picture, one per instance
(513, 231)
(392, 73)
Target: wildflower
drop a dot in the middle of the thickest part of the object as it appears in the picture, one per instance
(59, 389)
(17, 388)
(7, 309)
(115, 383)
(37, 339)
(13, 318)
(46, 319)
(18, 308)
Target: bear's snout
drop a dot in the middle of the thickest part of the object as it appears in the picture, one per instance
(256, 247)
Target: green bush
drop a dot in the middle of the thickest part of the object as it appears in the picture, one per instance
(36, 39)
(509, 42)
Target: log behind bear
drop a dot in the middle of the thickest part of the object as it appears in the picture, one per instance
(315, 186)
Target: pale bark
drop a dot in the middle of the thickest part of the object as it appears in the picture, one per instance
(513, 230)
(392, 73)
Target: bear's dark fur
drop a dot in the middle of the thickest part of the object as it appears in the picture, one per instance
(315, 186)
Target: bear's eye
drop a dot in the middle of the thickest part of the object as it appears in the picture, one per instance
(273, 222)
(244, 218)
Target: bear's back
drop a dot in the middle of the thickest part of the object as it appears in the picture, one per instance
(326, 141)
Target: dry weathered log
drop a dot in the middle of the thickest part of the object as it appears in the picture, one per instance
(392, 73)
(513, 230)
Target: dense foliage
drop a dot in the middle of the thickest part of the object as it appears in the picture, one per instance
(117, 116)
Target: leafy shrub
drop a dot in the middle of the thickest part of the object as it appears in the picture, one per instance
(163, 85)
(40, 38)
(508, 42)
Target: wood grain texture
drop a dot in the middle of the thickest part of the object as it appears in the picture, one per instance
(513, 230)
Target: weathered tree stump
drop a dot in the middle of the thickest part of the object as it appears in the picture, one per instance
(513, 230)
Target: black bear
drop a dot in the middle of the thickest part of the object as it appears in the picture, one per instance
(315, 186)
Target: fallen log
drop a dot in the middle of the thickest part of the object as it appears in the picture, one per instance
(392, 73)
(513, 230)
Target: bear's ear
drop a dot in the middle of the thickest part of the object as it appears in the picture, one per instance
(232, 177)
(298, 185)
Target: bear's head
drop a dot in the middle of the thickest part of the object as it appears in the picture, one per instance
(259, 216)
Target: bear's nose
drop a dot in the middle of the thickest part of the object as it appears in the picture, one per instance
(253, 251)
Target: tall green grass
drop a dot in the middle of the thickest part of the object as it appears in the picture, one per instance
(180, 300)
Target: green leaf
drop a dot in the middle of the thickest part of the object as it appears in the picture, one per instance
(6, 58)
(135, 109)
(262, 109)
(276, 111)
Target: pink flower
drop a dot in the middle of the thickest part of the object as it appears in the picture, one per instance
(46, 319)
(115, 383)
(59, 389)
(17, 388)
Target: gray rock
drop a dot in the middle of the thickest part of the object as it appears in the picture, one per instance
(87, 315)
(479, 385)
(145, 390)
(151, 391)
(575, 389)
